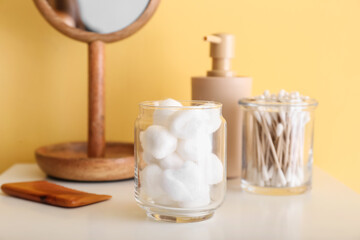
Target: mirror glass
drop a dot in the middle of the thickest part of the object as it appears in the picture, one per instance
(99, 16)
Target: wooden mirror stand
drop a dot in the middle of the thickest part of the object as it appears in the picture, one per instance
(96, 160)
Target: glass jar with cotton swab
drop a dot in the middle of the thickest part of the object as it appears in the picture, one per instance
(278, 143)
(180, 155)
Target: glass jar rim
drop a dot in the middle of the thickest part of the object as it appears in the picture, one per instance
(197, 104)
(253, 102)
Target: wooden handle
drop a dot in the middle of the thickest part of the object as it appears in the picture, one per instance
(96, 135)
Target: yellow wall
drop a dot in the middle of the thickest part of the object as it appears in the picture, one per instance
(312, 46)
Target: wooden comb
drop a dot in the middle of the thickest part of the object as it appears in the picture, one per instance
(53, 194)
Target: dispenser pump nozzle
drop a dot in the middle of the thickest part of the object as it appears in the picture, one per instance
(221, 51)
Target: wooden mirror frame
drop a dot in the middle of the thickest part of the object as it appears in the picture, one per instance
(95, 160)
(81, 35)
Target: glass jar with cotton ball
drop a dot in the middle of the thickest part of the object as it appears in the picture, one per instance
(278, 143)
(180, 154)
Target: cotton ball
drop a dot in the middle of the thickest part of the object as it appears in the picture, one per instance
(150, 178)
(213, 168)
(199, 199)
(158, 141)
(213, 120)
(184, 184)
(165, 200)
(193, 178)
(169, 103)
(161, 116)
(186, 124)
(148, 157)
(195, 149)
(174, 188)
(212, 117)
(171, 161)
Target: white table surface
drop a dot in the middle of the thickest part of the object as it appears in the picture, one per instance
(330, 211)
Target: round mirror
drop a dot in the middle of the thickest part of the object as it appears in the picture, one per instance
(107, 16)
(91, 20)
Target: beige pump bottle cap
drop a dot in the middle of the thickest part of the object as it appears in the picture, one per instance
(221, 51)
